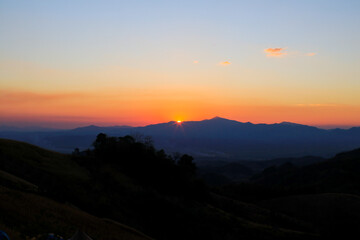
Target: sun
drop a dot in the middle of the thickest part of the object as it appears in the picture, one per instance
(179, 121)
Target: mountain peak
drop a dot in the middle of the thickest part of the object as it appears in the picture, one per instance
(219, 118)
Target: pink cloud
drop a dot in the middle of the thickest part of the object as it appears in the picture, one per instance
(225, 63)
(275, 52)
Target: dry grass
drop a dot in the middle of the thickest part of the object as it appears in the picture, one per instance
(25, 215)
(48, 161)
(21, 183)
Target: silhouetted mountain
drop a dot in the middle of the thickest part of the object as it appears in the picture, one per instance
(92, 129)
(217, 138)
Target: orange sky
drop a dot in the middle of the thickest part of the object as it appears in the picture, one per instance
(141, 107)
(135, 63)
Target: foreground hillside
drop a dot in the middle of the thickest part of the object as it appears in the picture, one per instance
(130, 182)
(29, 215)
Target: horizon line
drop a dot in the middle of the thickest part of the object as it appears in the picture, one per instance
(42, 124)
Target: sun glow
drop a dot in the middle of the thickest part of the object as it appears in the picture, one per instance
(179, 121)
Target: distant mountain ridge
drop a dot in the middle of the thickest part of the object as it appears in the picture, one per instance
(214, 138)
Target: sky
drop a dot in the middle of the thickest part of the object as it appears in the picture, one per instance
(73, 63)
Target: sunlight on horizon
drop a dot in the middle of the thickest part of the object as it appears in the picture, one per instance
(179, 59)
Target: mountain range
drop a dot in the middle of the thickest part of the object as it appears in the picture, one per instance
(216, 138)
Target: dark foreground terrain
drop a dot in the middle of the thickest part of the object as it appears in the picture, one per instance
(126, 189)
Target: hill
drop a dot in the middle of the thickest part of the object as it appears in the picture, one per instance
(16, 154)
(324, 194)
(28, 215)
(222, 172)
(338, 174)
(133, 183)
(129, 181)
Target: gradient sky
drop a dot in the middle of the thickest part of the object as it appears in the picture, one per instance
(73, 63)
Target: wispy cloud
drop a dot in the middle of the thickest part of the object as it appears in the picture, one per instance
(275, 52)
(11, 97)
(225, 63)
(282, 52)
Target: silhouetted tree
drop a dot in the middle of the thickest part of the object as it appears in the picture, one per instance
(100, 140)
(187, 162)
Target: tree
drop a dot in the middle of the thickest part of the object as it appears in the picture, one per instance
(187, 163)
(100, 140)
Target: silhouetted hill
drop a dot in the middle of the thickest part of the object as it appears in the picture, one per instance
(22, 158)
(130, 182)
(216, 138)
(338, 174)
(25, 215)
(221, 172)
(324, 194)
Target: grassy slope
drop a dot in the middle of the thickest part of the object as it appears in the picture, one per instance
(19, 183)
(21, 154)
(26, 214)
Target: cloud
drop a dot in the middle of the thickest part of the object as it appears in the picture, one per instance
(275, 52)
(15, 97)
(281, 52)
(225, 63)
